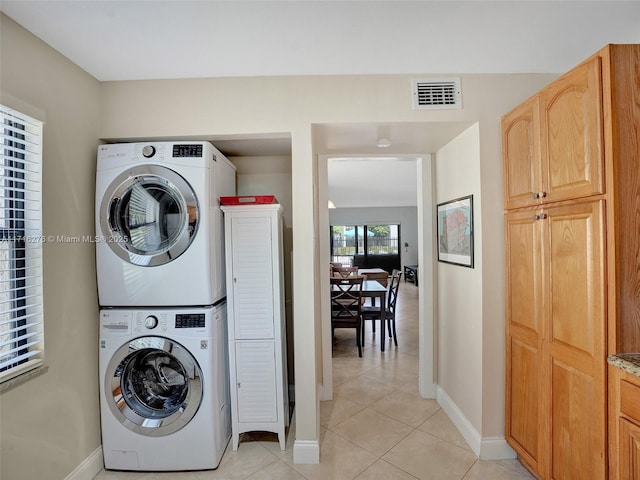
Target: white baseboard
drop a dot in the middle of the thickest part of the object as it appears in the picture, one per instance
(496, 448)
(306, 452)
(488, 448)
(89, 468)
(429, 390)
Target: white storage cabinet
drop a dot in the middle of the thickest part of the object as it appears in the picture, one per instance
(257, 339)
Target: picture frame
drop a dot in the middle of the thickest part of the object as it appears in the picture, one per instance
(455, 231)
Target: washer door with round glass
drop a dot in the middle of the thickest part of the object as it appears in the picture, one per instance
(149, 215)
(153, 386)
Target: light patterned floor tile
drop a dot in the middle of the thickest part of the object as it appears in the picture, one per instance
(339, 460)
(343, 375)
(393, 377)
(494, 470)
(363, 390)
(251, 457)
(406, 407)
(276, 471)
(429, 458)
(372, 431)
(382, 470)
(337, 410)
(439, 425)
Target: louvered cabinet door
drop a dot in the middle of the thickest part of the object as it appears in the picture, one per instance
(523, 175)
(525, 430)
(252, 282)
(256, 382)
(572, 134)
(575, 331)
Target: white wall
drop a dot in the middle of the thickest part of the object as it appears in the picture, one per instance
(459, 299)
(51, 424)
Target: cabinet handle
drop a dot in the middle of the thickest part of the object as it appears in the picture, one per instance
(540, 216)
(534, 195)
(539, 195)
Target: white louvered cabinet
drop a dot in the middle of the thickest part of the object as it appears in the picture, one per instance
(257, 339)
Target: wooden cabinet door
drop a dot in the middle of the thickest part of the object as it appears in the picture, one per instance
(524, 398)
(572, 147)
(629, 450)
(575, 328)
(521, 155)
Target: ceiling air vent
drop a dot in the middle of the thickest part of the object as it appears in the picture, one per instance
(436, 93)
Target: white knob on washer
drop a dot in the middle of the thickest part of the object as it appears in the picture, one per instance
(151, 322)
(148, 151)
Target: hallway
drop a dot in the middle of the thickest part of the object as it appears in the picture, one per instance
(376, 427)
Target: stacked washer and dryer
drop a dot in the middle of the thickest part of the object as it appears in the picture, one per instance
(164, 381)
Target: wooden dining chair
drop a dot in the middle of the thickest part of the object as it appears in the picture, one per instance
(344, 271)
(373, 313)
(346, 295)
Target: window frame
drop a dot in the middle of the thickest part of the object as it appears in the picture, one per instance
(361, 245)
(21, 273)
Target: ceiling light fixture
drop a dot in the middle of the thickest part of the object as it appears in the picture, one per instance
(384, 142)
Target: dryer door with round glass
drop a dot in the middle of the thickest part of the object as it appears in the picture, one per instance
(155, 386)
(149, 215)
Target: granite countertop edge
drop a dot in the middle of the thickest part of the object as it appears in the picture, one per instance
(629, 362)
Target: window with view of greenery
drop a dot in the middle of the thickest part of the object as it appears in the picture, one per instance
(347, 241)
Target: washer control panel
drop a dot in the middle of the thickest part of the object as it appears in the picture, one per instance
(145, 321)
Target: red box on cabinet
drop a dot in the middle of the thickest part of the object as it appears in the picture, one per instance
(248, 200)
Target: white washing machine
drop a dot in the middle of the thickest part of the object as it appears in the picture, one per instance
(159, 238)
(164, 388)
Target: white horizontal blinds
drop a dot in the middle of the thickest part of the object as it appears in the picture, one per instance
(21, 318)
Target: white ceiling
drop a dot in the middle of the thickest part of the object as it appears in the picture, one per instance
(126, 40)
(372, 181)
(360, 174)
(153, 39)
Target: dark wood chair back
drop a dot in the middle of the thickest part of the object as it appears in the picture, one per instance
(344, 271)
(346, 295)
(392, 293)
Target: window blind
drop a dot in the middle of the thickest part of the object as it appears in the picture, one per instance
(21, 312)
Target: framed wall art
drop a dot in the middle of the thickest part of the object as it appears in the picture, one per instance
(455, 231)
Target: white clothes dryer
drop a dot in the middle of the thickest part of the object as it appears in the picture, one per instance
(164, 388)
(159, 238)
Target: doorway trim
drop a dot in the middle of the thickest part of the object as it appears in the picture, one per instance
(425, 219)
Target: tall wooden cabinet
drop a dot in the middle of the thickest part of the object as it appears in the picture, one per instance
(572, 226)
(257, 338)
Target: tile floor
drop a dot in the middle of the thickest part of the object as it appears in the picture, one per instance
(376, 427)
